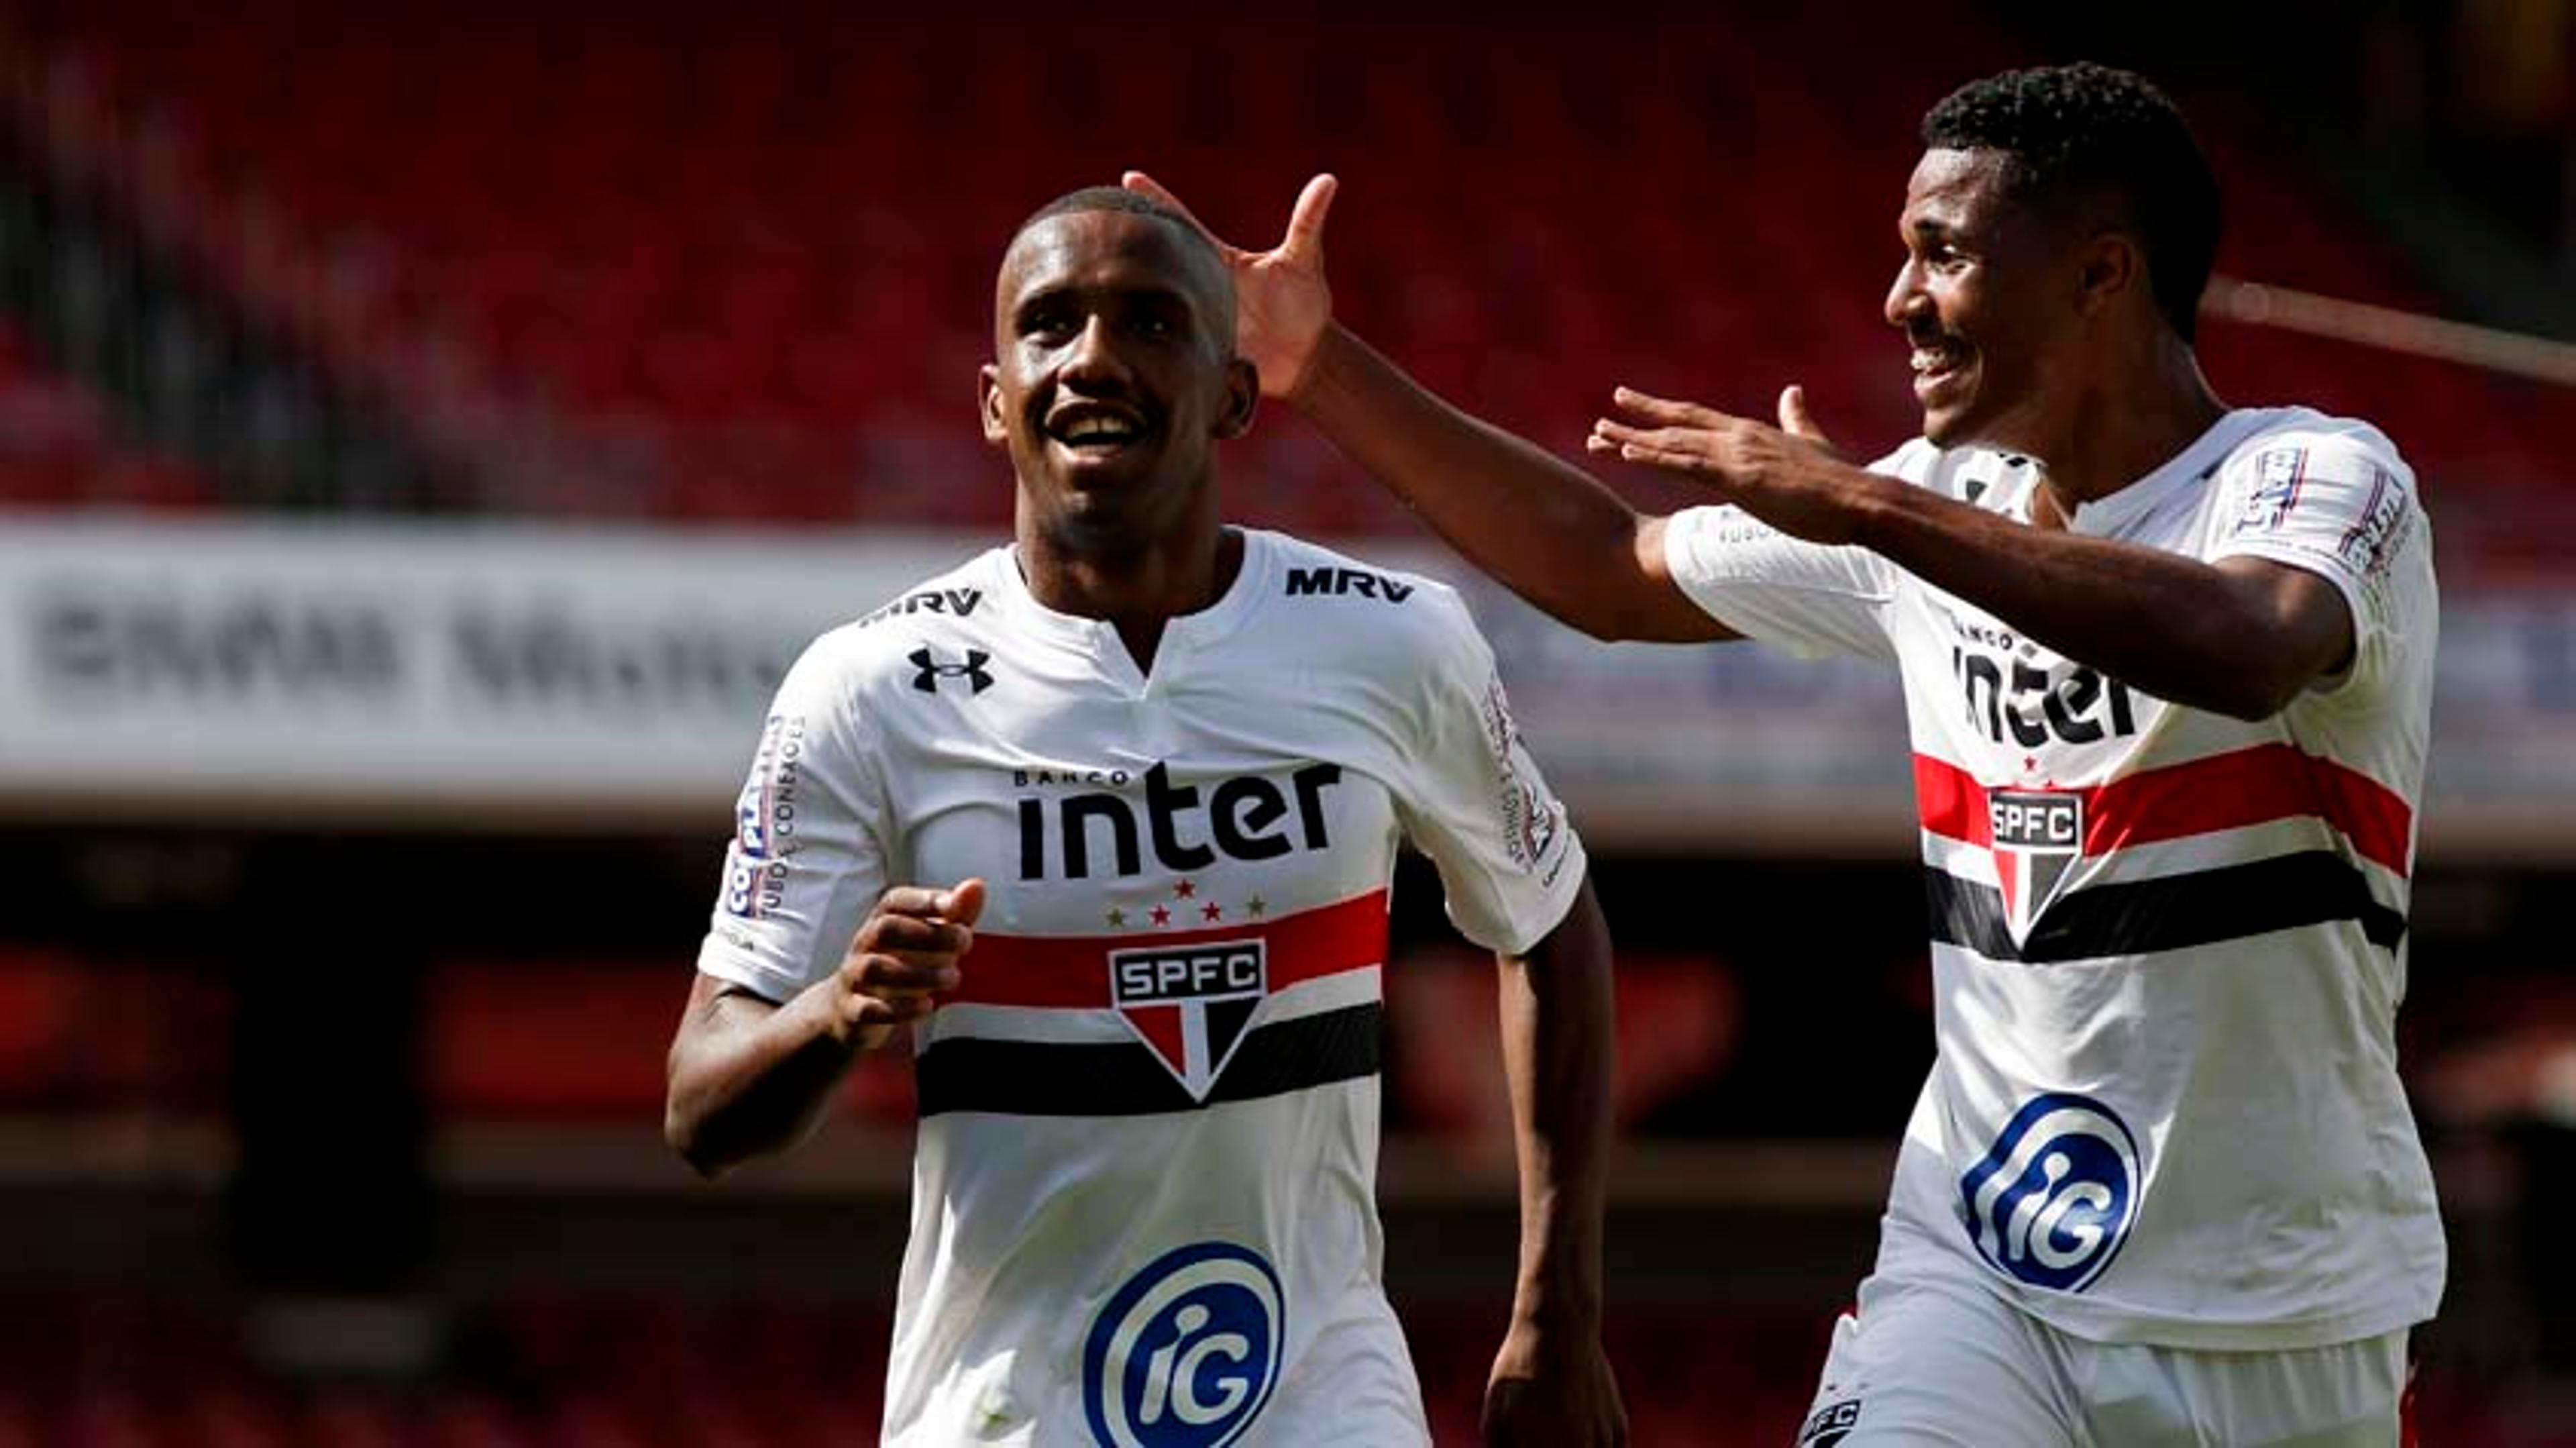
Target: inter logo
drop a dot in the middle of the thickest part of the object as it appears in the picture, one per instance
(2036, 836)
(1190, 1003)
(931, 673)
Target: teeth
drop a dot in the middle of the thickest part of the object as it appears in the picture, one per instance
(1931, 359)
(1091, 428)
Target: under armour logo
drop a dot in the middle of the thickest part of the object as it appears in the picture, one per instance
(932, 671)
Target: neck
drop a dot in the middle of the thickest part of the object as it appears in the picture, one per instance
(2128, 423)
(1136, 586)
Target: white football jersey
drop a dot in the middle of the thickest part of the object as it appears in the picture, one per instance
(1144, 1191)
(2167, 945)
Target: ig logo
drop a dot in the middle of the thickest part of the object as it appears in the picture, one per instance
(2056, 1195)
(1185, 1355)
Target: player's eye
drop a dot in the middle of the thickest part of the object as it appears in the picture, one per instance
(1046, 322)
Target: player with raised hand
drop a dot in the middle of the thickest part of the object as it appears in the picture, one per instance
(1169, 763)
(2168, 671)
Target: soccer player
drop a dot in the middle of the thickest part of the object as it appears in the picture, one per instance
(2167, 668)
(1108, 817)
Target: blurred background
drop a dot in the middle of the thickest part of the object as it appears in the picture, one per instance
(426, 433)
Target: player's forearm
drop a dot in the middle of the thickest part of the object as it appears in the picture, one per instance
(1550, 533)
(1559, 1058)
(748, 1081)
(2162, 623)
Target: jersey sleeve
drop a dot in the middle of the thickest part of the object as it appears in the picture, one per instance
(1471, 798)
(2335, 505)
(1809, 598)
(807, 859)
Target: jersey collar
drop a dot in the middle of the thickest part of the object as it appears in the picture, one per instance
(2108, 517)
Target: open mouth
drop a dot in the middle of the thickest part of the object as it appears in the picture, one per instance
(1094, 429)
(1936, 361)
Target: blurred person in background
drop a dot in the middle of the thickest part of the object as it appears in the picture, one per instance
(1108, 818)
(2168, 669)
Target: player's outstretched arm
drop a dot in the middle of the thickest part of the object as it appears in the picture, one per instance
(748, 1077)
(1549, 532)
(1551, 1384)
(2241, 636)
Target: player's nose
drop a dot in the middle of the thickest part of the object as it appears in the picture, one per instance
(1905, 295)
(1092, 356)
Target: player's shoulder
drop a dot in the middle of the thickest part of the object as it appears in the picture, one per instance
(1333, 601)
(954, 609)
(1966, 474)
(2286, 445)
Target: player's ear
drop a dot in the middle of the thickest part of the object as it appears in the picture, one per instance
(1242, 400)
(2109, 267)
(988, 381)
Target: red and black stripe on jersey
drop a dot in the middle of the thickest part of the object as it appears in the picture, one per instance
(2233, 790)
(1016, 1076)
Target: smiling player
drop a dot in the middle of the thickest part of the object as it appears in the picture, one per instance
(1167, 766)
(2168, 671)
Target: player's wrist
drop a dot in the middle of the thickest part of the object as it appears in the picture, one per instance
(1556, 1310)
(1326, 364)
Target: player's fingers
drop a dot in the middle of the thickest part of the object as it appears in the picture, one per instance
(1161, 195)
(1306, 220)
(965, 903)
(1672, 439)
(914, 935)
(923, 901)
(887, 973)
(1670, 459)
(1666, 410)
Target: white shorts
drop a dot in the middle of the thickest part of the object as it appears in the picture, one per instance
(1938, 1364)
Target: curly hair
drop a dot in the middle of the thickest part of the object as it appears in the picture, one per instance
(2086, 131)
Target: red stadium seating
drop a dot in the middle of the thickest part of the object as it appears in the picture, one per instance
(58, 444)
(708, 268)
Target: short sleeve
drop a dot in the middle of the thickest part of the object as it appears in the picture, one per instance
(1472, 799)
(2332, 505)
(1809, 598)
(807, 859)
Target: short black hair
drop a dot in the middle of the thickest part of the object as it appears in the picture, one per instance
(1119, 198)
(2086, 130)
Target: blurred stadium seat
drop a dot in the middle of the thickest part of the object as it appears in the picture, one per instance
(709, 271)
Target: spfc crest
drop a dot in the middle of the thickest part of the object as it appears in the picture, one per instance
(2036, 836)
(1190, 1003)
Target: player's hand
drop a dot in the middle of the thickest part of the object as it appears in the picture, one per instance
(1553, 1390)
(1789, 476)
(904, 953)
(1281, 302)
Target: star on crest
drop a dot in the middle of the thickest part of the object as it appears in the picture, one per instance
(1117, 918)
(1184, 890)
(1211, 911)
(1162, 916)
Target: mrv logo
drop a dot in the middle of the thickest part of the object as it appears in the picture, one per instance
(2036, 836)
(1190, 1003)
(1186, 1353)
(1243, 818)
(2054, 1199)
